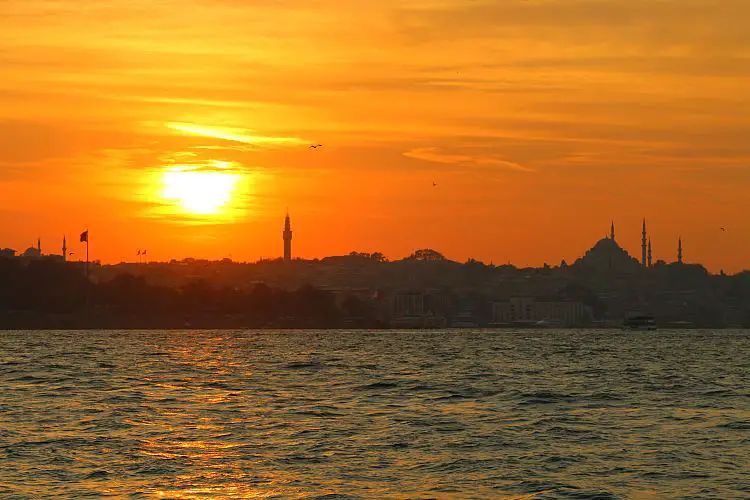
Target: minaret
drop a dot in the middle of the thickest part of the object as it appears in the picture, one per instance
(39, 245)
(649, 252)
(65, 250)
(287, 239)
(643, 245)
(679, 250)
(612, 232)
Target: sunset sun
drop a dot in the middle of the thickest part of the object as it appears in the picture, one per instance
(199, 192)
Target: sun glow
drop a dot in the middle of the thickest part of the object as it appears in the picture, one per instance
(199, 192)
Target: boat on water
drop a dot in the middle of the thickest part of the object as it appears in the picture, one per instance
(639, 322)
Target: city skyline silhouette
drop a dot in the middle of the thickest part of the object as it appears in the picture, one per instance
(646, 259)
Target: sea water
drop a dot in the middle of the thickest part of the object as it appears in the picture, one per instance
(375, 414)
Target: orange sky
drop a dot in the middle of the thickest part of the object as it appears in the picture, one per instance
(540, 121)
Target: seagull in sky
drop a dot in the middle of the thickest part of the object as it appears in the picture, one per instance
(316, 146)
(723, 229)
(434, 184)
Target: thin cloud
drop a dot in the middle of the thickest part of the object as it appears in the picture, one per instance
(234, 135)
(207, 166)
(436, 156)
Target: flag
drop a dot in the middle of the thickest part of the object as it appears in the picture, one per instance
(144, 252)
(85, 236)
(138, 252)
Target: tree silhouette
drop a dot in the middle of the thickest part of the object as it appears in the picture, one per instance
(426, 254)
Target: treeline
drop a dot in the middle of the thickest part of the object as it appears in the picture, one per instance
(48, 294)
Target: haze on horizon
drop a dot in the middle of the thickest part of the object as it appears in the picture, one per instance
(184, 127)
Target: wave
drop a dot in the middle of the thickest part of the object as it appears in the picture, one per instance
(546, 397)
(551, 491)
(379, 385)
(470, 394)
(99, 474)
(304, 364)
(738, 425)
(332, 496)
(581, 495)
(318, 413)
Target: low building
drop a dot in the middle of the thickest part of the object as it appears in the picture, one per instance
(529, 310)
(409, 304)
(417, 310)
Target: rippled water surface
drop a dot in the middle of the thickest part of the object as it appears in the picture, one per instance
(445, 414)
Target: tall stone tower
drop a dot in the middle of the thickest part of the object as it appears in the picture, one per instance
(643, 245)
(65, 250)
(287, 239)
(649, 252)
(679, 250)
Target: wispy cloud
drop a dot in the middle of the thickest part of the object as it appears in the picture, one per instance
(234, 135)
(578, 22)
(435, 155)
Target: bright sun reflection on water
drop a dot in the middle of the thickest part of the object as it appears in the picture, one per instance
(209, 191)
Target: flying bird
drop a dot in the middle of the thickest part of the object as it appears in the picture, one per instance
(434, 184)
(723, 229)
(316, 146)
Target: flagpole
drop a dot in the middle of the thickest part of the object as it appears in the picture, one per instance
(87, 253)
(88, 283)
